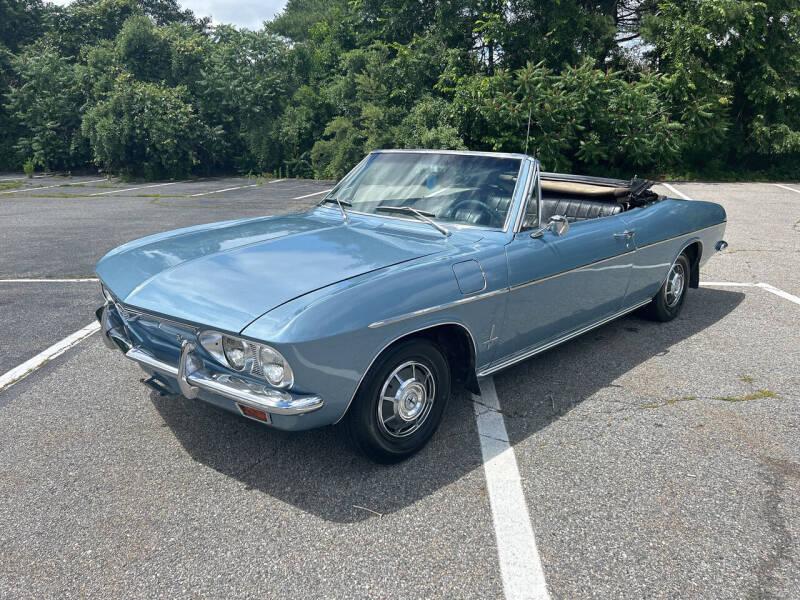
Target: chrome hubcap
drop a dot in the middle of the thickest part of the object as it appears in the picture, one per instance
(675, 284)
(406, 399)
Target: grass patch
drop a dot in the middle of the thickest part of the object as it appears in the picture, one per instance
(757, 396)
(746, 378)
(672, 401)
(9, 185)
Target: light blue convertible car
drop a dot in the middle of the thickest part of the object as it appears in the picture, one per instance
(420, 271)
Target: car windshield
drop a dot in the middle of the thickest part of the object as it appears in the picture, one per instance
(465, 189)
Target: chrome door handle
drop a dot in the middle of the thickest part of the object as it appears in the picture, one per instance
(627, 234)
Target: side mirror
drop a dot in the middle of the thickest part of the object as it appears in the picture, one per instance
(558, 224)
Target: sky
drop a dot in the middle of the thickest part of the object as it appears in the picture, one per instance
(244, 13)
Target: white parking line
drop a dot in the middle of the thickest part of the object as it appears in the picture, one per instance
(764, 286)
(520, 566)
(786, 187)
(778, 292)
(674, 191)
(47, 187)
(241, 187)
(314, 194)
(42, 280)
(136, 188)
(29, 366)
(725, 284)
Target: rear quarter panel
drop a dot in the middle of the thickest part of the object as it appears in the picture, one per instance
(663, 230)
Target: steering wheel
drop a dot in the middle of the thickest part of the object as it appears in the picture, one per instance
(469, 206)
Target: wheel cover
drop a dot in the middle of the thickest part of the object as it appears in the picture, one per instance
(676, 282)
(406, 399)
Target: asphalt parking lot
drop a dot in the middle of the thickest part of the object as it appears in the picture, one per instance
(655, 460)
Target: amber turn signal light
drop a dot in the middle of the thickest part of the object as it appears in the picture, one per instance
(254, 413)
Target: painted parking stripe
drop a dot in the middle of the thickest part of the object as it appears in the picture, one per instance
(56, 280)
(240, 187)
(520, 566)
(786, 187)
(674, 191)
(314, 194)
(144, 187)
(764, 286)
(778, 292)
(47, 187)
(725, 284)
(29, 366)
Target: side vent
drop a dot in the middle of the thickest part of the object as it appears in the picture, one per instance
(469, 276)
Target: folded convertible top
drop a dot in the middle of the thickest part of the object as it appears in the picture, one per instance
(594, 186)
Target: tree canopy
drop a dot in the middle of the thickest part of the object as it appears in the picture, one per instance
(145, 89)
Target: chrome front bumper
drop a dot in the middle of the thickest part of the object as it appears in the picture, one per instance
(192, 376)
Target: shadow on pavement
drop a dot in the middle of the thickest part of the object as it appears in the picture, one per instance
(318, 472)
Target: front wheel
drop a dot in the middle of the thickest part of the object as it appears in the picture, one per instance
(667, 303)
(400, 402)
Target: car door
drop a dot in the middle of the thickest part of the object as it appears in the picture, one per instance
(561, 284)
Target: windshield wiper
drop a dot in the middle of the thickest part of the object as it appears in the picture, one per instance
(341, 203)
(422, 215)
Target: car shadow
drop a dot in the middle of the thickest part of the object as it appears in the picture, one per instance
(317, 471)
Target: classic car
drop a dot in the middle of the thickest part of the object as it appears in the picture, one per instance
(420, 271)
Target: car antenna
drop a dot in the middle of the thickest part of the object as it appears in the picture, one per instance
(528, 135)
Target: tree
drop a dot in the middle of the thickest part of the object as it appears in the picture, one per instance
(742, 59)
(144, 129)
(46, 103)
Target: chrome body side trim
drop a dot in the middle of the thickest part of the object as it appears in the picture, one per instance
(527, 353)
(425, 311)
(675, 237)
(591, 264)
(405, 334)
(438, 307)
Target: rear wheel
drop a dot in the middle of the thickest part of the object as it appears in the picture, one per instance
(400, 402)
(668, 302)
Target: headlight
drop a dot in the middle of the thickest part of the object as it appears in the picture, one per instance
(274, 366)
(258, 360)
(235, 352)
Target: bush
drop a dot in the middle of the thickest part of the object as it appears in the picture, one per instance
(144, 130)
(29, 168)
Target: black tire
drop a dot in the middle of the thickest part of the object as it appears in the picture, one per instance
(665, 306)
(397, 435)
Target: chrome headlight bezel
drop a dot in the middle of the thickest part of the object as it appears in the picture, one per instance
(213, 342)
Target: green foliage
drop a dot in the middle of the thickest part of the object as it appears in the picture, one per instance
(143, 130)
(143, 49)
(742, 58)
(144, 88)
(46, 103)
(29, 168)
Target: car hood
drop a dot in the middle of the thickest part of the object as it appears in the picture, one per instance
(228, 274)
